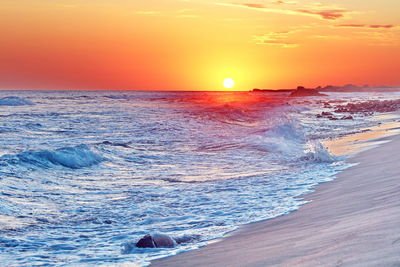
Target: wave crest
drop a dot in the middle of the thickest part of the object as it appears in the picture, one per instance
(317, 152)
(288, 140)
(14, 101)
(77, 157)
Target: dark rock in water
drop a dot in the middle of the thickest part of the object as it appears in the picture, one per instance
(301, 91)
(163, 241)
(146, 242)
(369, 107)
(347, 118)
(156, 241)
(327, 115)
(187, 239)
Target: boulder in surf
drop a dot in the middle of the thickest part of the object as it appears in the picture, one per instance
(156, 241)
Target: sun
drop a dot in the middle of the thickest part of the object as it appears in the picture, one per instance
(229, 83)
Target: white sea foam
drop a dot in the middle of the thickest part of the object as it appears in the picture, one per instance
(317, 152)
(185, 164)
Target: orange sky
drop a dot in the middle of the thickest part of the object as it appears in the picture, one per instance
(194, 45)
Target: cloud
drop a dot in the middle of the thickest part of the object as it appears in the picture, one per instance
(374, 26)
(284, 2)
(331, 36)
(374, 34)
(275, 38)
(278, 43)
(252, 5)
(326, 14)
(381, 26)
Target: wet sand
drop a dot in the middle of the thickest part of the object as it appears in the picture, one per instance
(351, 221)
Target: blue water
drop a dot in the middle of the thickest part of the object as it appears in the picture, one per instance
(83, 175)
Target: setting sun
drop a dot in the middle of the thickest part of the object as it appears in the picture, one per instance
(229, 83)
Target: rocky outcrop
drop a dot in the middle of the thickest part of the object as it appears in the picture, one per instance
(301, 91)
(156, 241)
(369, 107)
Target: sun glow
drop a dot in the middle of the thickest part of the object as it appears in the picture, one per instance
(229, 83)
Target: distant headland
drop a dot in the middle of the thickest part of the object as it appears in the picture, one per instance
(318, 91)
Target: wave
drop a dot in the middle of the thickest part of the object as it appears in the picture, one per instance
(287, 139)
(14, 101)
(122, 144)
(318, 153)
(118, 97)
(77, 157)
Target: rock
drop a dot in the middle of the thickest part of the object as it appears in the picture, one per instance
(369, 107)
(146, 242)
(187, 239)
(347, 118)
(163, 241)
(156, 241)
(301, 91)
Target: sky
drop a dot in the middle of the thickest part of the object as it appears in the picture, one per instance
(196, 44)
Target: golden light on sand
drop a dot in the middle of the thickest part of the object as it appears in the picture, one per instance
(229, 83)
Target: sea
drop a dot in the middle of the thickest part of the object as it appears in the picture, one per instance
(85, 174)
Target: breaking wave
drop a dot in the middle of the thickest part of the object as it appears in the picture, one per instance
(14, 101)
(317, 152)
(77, 157)
(288, 141)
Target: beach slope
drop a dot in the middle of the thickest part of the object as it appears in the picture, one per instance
(352, 221)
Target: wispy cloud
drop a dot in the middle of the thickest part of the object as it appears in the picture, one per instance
(251, 5)
(325, 14)
(275, 38)
(318, 12)
(284, 2)
(278, 43)
(374, 34)
(330, 36)
(260, 8)
(373, 26)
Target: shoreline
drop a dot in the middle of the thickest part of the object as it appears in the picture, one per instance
(352, 220)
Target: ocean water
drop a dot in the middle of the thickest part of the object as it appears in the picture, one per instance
(84, 175)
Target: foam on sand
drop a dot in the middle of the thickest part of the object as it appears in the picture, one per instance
(352, 221)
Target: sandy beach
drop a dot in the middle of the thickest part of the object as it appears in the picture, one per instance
(351, 221)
